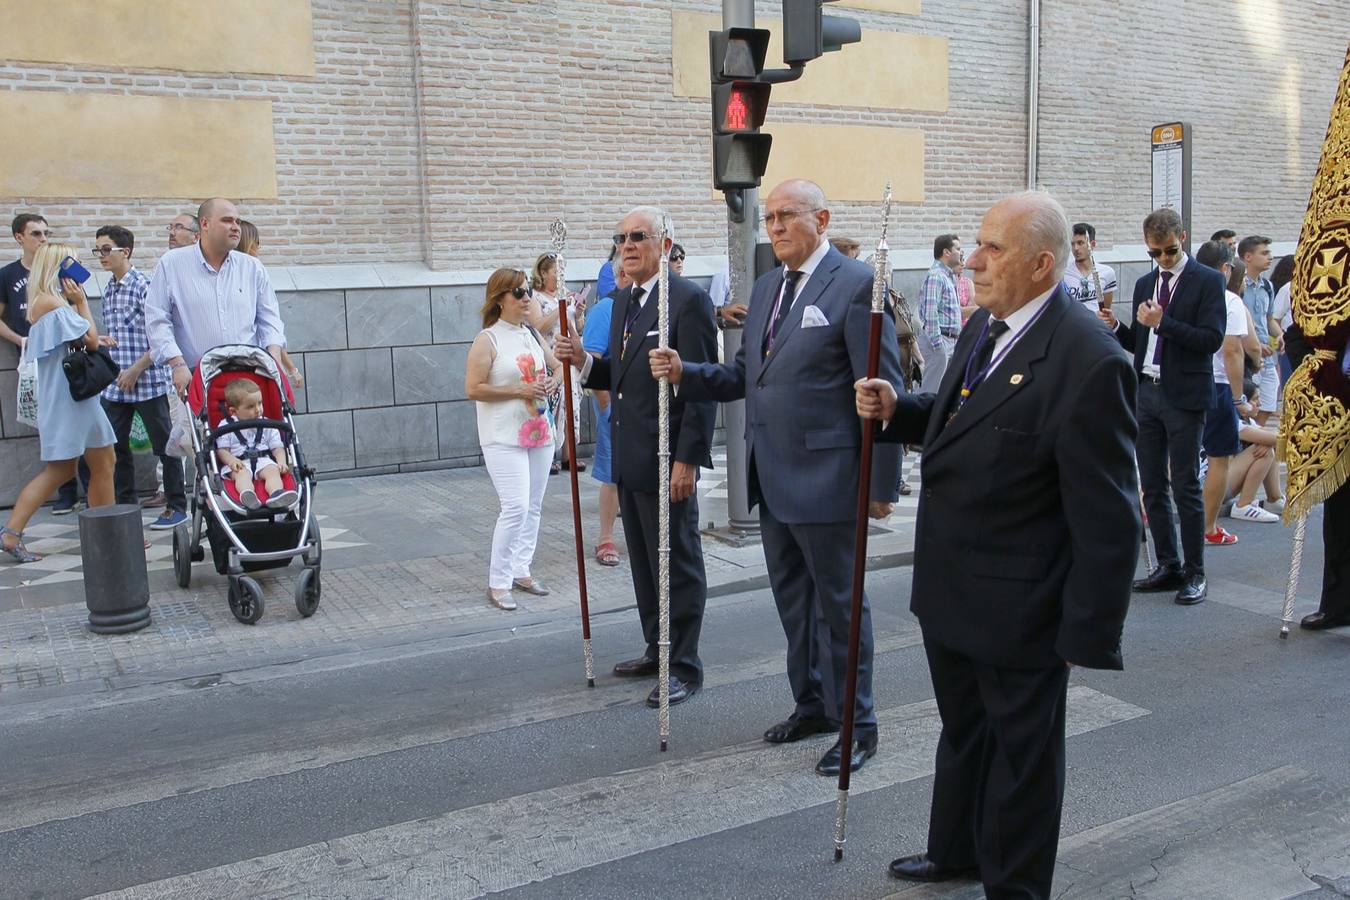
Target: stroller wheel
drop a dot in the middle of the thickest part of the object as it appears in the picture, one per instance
(307, 591)
(182, 554)
(246, 599)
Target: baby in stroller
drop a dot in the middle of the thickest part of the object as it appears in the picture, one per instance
(253, 453)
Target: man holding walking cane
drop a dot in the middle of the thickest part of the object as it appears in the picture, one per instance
(805, 344)
(1026, 542)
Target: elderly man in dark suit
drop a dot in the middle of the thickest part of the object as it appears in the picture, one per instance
(1178, 327)
(1027, 537)
(805, 345)
(633, 429)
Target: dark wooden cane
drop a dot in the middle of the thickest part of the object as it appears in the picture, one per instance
(571, 438)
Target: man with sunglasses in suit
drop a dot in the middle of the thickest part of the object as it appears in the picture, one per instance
(806, 342)
(633, 430)
(1179, 326)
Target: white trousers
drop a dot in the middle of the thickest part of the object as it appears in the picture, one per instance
(520, 476)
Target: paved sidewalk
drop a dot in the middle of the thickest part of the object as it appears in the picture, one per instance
(405, 560)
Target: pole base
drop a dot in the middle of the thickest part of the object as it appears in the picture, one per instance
(1284, 632)
(663, 746)
(838, 854)
(590, 682)
(123, 622)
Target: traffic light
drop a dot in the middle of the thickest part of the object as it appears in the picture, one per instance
(739, 102)
(807, 33)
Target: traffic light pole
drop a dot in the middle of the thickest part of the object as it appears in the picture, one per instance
(742, 232)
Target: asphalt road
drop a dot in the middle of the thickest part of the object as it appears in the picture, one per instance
(1214, 766)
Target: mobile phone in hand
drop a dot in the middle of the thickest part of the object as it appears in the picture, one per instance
(70, 268)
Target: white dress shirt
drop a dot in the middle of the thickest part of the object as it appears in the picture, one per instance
(647, 287)
(192, 307)
(1017, 323)
(1150, 368)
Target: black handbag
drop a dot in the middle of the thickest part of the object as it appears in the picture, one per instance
(89, 371)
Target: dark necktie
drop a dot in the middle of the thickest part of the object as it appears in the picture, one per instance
(997, 328)
(634, 310)
(974, 373)
(1164, 297)
(782, 307)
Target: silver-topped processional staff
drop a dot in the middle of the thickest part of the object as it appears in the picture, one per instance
(880, 278)
(558, 233)
(663, 491)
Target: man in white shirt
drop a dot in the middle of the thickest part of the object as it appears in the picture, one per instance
(208, 294)
(1081, 282)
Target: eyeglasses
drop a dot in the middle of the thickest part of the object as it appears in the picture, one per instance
(786, 216)
(519, 293)
(636, 237)
(104, 251)
(1165, 251)
(38, 234)
(179, 226)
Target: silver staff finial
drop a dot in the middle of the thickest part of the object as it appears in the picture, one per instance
(558, 235)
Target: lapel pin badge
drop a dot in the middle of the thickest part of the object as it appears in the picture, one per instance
(1016, 379)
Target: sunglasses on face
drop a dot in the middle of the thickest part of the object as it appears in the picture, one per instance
(520, 293)
(1165, 251)
(678, 257)
(636, 237)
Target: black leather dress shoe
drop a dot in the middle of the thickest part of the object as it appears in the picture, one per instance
(1193, 590)
(797, 727)
(1163, 578)
(642, 667)
(920, 868)
(1320, 621)
(679, 692)
(864, 748)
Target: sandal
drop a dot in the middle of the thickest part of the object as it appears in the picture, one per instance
(607, 554)
(18, 552)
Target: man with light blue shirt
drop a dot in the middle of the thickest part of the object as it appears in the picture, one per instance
(1259, 297)
(209, 294)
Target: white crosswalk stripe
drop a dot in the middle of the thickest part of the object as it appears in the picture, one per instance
(543, 834)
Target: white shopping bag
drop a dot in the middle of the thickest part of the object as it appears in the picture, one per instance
(27, 403)
(180, 432)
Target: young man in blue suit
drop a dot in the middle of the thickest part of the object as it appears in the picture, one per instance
(1179, 325)
(805, 345)
(1027, 538)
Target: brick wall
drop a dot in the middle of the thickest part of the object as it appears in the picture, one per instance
(1255, 80)
(346, 144)
(519, 111)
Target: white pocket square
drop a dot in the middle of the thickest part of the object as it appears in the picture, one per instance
(812, 317)
(653, 334)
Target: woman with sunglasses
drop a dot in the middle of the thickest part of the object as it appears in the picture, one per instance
(544, 318)
(59, 317)
(508, 379)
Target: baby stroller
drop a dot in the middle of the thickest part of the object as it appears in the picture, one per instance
(242, 539)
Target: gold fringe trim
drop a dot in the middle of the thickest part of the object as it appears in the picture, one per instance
(1318, 490)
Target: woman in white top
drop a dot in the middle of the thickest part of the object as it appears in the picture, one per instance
(508, 380)
(544, 317)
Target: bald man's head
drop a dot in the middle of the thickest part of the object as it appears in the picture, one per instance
(219, 219)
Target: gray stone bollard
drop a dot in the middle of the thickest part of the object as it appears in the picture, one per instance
(116, 587)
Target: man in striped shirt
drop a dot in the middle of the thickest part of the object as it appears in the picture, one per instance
(141, 387)
(939, 303)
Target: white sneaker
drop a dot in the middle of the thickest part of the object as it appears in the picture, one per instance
(1275, 506)
(1253, 513)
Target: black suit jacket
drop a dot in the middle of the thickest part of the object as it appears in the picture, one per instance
(1191, 332)
(1028, 527)
(628, 378)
